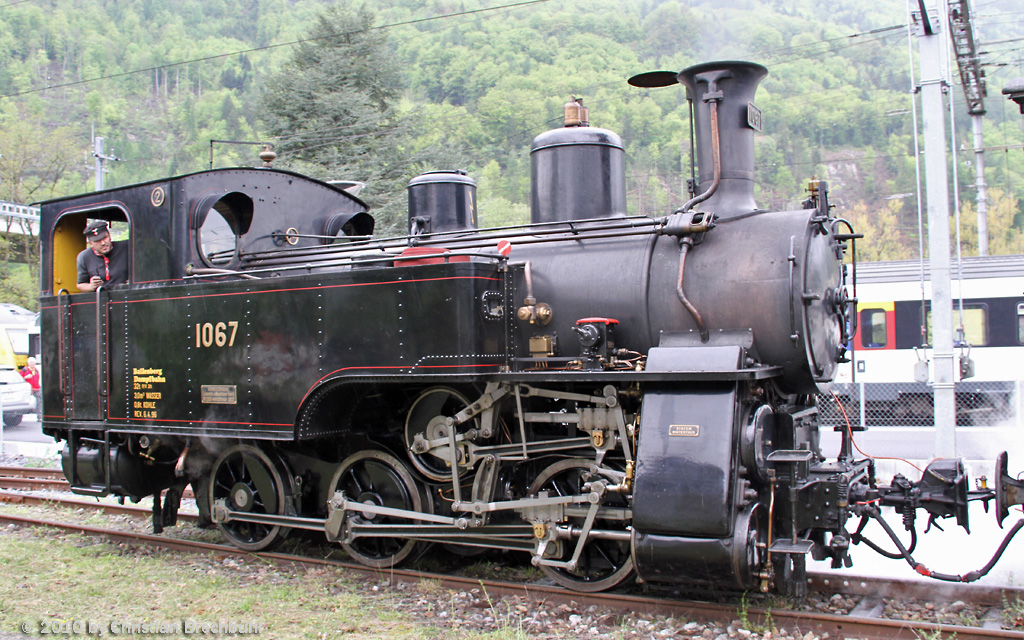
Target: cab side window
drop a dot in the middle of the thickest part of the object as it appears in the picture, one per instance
(69, 242)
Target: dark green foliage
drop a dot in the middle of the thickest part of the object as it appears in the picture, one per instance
(363, 100)
(332, 109)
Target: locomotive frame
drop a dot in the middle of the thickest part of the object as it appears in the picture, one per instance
(614, 395)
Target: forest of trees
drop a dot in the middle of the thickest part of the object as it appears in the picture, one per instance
(379, 92)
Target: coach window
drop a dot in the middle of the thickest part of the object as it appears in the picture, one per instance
(873, 328)
(1020, 323)
(975, 324)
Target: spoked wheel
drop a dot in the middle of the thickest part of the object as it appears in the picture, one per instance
(603, 563)
(750, 546)
(249, 481)
(426, 418)
(378, 478)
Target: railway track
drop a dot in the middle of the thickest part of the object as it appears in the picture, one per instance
(32, 479)
(30, 472)
(864, 619)
(35, 479)
(17, 497)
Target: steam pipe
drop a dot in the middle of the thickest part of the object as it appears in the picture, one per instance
(191, 270)
(716, 159)
(684, 248)
(687, 242)
(528, 276)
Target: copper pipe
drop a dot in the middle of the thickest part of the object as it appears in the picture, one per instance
(684, 248)
(716, 160)
(687, 242)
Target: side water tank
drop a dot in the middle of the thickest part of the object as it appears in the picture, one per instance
(442, 201)
(577, 171)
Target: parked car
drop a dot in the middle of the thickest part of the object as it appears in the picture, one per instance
(16, 395)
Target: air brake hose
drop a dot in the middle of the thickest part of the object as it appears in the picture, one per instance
(948, 577)
(858, 537)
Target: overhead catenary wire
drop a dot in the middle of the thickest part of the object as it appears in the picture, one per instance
(771, 52)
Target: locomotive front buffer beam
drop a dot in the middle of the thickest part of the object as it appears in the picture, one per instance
(820, 497)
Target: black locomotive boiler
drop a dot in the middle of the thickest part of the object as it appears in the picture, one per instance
(614, 395)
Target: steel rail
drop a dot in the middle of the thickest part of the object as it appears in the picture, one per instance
(106, 507)
(30, 472)
(27, 479)
(723, 614)
(823, 582)
(35, 484)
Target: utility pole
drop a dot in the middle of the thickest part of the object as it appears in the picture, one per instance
(97, 152)
(933, 85)
(961, 31)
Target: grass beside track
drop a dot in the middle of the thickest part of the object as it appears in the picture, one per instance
(79, 586)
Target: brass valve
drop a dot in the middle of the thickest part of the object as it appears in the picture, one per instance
(531, 311)
(535, 313)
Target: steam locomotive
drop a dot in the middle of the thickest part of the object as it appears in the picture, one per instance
(617, 396)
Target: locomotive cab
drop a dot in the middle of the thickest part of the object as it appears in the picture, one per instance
(107, 349)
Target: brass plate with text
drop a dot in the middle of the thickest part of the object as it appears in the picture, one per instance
(686, 430)
(219, 394)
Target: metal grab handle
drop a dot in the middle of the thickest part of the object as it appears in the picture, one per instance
(101, 343)
(794, 335)
(62, 345)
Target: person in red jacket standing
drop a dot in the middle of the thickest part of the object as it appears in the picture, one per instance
(31, 374)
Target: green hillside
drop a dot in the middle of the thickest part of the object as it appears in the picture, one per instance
(440, 84)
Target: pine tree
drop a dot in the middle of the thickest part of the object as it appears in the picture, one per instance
(331, 109)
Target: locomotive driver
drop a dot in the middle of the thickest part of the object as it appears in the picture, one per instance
(103, 262)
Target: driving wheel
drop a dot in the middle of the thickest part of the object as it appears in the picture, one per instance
(248, 480)
(603, 564)
(377, 478)
(426, 419)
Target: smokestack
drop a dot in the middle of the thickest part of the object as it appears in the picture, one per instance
(732, 85)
